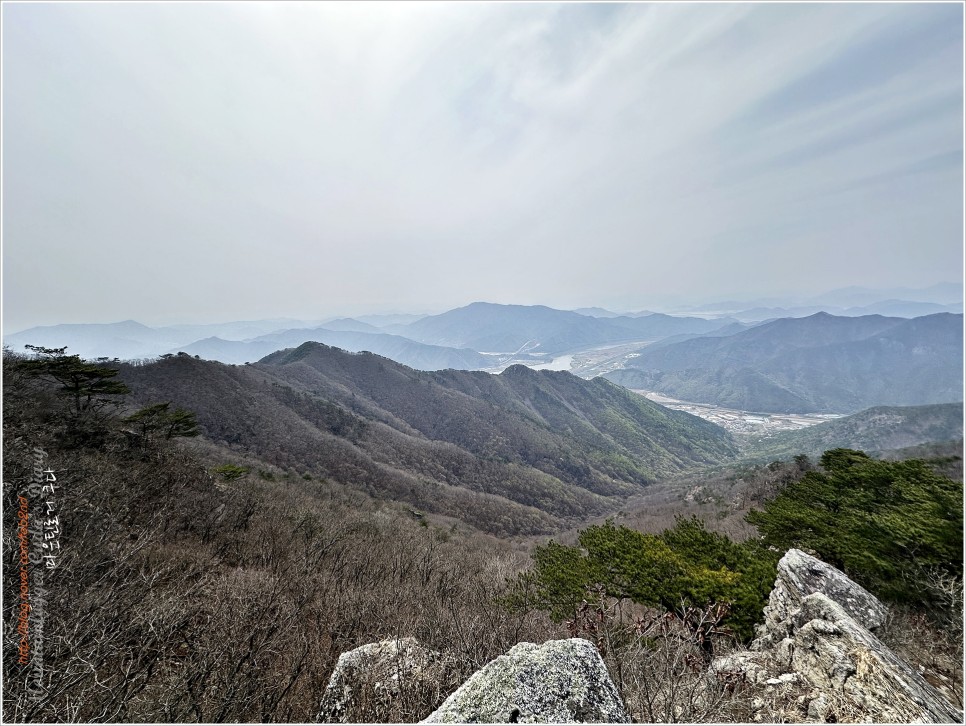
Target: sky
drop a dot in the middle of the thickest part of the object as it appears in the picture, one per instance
(181, 163)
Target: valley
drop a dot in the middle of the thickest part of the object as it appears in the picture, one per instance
(281, 513)
(482, 362)
(586, 362)
(596, 361)
(746, 423)
(792, 369)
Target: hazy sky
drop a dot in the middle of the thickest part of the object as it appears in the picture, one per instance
(200, 162)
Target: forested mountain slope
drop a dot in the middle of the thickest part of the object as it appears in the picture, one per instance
(408, 352)
(819, 363)
(876, 429)
(525, 451)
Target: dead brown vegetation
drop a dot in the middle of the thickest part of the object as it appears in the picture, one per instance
(183, 597)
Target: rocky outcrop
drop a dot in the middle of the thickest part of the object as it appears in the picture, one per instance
(383, 666)
(561, 681)
(836, 654)
(800, 575)
(818, 636)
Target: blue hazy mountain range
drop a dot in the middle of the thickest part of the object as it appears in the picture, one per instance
(817, 363)
(821, 363)
(454, 339)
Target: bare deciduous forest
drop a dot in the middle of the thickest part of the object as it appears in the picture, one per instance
(196, 584)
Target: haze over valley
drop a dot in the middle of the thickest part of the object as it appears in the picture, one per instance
(750, 376)
(378, 362)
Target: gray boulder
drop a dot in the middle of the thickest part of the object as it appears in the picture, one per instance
(383, 666)
(561, 681)
(800, 575)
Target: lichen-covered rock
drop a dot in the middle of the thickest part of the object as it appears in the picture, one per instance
(754, 667)
(382, 665)
(818, 626)
(800, 575)
(843, 659)
(561, 681)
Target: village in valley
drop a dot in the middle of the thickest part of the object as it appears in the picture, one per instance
(742, 422)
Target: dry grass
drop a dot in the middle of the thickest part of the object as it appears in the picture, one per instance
(931, 646)
(182, 598)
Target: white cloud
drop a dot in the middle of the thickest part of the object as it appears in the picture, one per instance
(350, 157)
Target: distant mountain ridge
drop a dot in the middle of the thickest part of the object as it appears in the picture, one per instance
(131, 340)
(849, 301)
(459, 337)
(350, 325)
(894, 308)
(402, 350)
(127, 339)
(484, 336)
(248, 342)
(489, 327)
(943, 293)
(821, 363)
